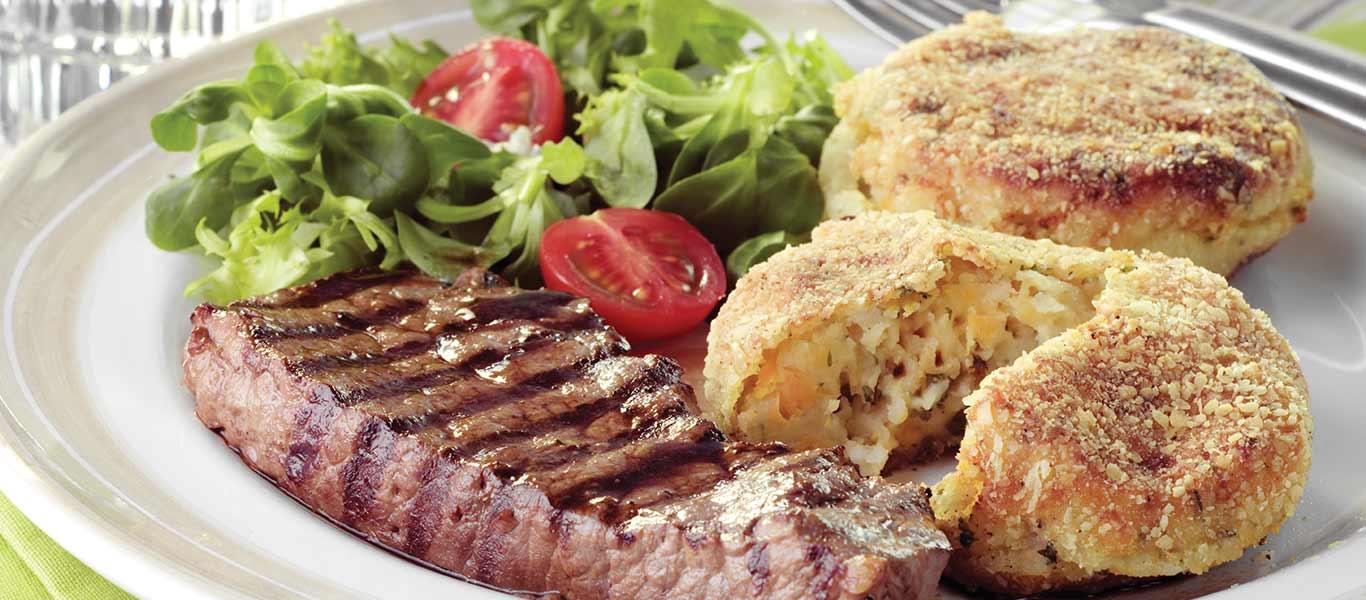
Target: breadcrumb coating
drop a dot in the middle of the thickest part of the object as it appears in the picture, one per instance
(1164, 435)
(1134, 138)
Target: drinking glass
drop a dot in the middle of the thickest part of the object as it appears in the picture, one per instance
(55, 53)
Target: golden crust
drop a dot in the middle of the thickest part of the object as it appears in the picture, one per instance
(1139, 138)
(1165, 435)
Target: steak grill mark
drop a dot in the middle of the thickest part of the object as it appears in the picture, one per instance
(310, 427)
(550, 329)
(329, 289)
(342, 324)
(531, 386)
(525, 306)
(506, 447)
(361, 474)
(660, 462)
(374, 445)
(363, 471)
(580, 415)
(557, 454)
(465, 370)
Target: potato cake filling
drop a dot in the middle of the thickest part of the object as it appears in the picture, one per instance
(887, 382)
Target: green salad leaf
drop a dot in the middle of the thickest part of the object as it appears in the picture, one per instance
(441, 256)
(758, 249)
(678, 116)
(176, 128)
(267, 248)
(374, 156)
(530, 205)
(340, 60)
(713, 198)
(295, 136)
(622, 165)
(409, 64)
(788, 195)
(302, 168)
(178, 207)
(447, 147)
(592, 40)
(308, 168)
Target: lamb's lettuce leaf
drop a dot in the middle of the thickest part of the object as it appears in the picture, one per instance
(311, 167)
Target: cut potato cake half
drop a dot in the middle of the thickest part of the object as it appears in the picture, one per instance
(1129, 415)
(871, 336)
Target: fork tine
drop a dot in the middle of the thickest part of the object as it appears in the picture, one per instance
(962, 7)
(888, 24)
(925, 12)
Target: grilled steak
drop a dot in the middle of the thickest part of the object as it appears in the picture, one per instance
(503, 435)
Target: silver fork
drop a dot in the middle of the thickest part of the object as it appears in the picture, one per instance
(1321, 78)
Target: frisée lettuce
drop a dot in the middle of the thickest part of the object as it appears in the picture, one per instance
(307, 168)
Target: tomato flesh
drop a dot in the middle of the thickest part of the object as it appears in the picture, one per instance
(492, 87)
(650, 274)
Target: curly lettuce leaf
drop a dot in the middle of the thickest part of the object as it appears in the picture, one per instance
(300, 166)
(590, 40)
(620, 158)
(340, 60)
(271, 246)
(531, 204)
(409, 64)
(308, 168)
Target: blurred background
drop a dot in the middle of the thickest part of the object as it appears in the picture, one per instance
(55, 53)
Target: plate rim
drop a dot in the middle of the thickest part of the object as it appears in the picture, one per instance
(106, 549)
(59, 515)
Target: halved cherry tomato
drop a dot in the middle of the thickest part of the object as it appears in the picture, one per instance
(494, 86)
(649, 273)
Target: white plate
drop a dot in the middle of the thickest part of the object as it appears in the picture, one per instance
(101, 449)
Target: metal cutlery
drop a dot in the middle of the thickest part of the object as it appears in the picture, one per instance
(1321, 78)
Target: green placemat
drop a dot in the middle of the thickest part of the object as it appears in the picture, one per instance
(1348, 34)
(1345, 27)
(33, 567)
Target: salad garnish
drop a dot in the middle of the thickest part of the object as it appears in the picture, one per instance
(355, 156)
(647, 272)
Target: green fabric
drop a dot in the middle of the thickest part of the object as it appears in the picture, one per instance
(33, 567)
(1348, 34)
(1346, 27)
